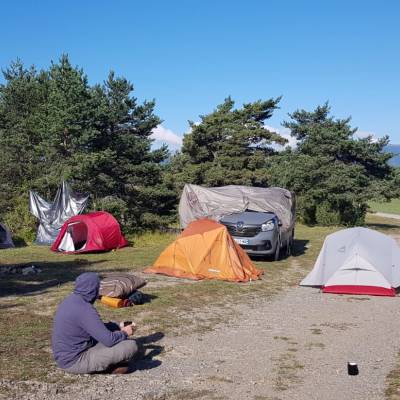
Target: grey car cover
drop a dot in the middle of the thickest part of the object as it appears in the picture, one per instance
(200, 202)
(52, 216)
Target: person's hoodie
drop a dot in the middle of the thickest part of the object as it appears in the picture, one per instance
(77, 325)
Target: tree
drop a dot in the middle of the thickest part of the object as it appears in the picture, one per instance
(54, 126)
(228, 146)
(115, 161)
(333, 173)
(21, 99)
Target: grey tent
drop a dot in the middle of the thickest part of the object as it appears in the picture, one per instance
(357, 261)
(52, 216)
(5, 238)
(214, 203)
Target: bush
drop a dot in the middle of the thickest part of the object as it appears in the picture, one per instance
(325, 214)
(305, 210)
(353, 214)
(21, 222)
(115, 206)
(313, 212)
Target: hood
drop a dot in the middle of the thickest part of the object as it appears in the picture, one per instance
(87, 285)
(248, 218)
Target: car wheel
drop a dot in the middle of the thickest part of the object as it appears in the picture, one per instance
(277, 249)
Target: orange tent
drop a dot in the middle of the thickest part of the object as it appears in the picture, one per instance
(205, 250)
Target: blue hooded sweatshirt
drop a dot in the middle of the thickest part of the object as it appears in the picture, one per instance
(77, 325)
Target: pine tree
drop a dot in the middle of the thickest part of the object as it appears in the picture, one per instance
(333, 173)
(54, 126)
(228, 146)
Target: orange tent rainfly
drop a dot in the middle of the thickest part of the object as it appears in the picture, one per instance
(205, 250)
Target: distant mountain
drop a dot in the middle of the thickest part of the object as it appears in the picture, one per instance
(394, 148)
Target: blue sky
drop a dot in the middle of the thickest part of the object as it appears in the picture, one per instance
(190, 55)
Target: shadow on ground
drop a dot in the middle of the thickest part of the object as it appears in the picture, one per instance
(146, 298)
(53, 274)
(381, 227)
(299, 248)
(144, 359)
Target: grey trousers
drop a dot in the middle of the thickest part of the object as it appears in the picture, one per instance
(99, 357)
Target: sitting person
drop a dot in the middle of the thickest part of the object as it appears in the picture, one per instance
(81, 342)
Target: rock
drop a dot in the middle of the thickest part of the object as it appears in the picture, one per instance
(31, 270)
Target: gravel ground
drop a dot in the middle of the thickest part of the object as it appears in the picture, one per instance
(295, 346)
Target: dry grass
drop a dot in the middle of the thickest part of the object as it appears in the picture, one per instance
(287, 371)
(392, 391)
(315, 345)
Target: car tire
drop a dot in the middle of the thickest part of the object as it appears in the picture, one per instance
(277, 250)
(291, 244)
(289, 248)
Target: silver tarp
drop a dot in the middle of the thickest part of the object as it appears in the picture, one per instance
(214, 203)
(52, 216)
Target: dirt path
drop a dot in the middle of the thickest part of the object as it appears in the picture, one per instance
(387, 215)
(293, 347)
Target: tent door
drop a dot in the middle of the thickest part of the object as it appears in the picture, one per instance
(66, 244)
(356, 270)
(74, 238)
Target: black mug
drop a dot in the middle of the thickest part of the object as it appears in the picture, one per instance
(352, 368)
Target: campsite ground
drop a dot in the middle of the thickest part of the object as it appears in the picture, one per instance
(268, 339)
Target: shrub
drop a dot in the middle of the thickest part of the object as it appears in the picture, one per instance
(327, 215)
(21, 222)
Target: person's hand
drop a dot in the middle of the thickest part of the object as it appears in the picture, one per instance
(129, 329)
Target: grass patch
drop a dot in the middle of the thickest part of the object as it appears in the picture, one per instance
(392, 391)
(339, 326)
(285, 338)
(260, 397)
(28, 303)
(287, 371)
(351, 299)
(184, 394)
(391, 207)
(315, 345)
(219, 379)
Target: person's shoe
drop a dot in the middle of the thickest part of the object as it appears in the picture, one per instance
(121, 368)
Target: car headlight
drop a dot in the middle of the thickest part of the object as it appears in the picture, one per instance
(268, 226)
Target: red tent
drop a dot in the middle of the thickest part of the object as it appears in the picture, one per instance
(97, 231)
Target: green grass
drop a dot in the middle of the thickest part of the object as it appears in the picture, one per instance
(391, 207)
(28, 303)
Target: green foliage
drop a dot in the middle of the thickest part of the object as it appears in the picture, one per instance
(228, 146)
(20, 221)
(333, 173)
(54, 126)
(325, 215)
(114, 205)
